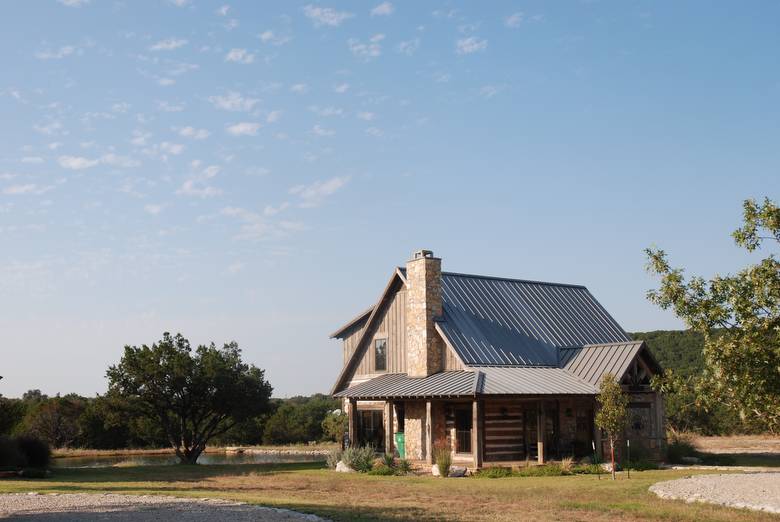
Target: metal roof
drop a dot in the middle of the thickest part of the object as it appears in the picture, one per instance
(442, 384)
(503, 380)
(497, 321)
(480, 381)
(590, 363)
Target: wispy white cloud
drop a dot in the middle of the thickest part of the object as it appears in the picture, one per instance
(74, 3)
(314, 194)
(28, 189)
(169, 44)
(198, 188)
(319, 130)
(234, 101)
(32, 159)
(114, 160)
(76, 162)
(153, 209)
(326, 111)
(325, 15)
(273, 116)
(383, 9)
(272, 211)
(299, 88)
(366, 50)
(366, 116)
(49, 129)
(514, 20)
(223, 10)
(341, 88)
(57, 54)
(243, 128)
(239, 56)
(255, 227)
(470, 45)
(488, 91)
(193, 133)
(270, 37)
(165, 106)
(179, 3)
(409, 47)
(374, 131)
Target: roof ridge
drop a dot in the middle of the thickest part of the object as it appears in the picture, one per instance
(513, 280)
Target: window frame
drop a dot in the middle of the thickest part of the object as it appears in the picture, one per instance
(376, 341)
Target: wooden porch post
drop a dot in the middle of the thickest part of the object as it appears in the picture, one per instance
(428, 433)
(540, 431)
(389, 427)
(476, 435)
(352, 415)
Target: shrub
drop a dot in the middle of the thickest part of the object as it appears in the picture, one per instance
(567, 465)
(442, 455)
(359, 458)
(588, 469)
(333, 458)
(11, 456)
(36, 452)
(388, 460)
(494, 472)
(547, 470)
(382, 469)
(403, 467)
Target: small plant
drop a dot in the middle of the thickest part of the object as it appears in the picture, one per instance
(588, 469)
(388, 460)
(494, 472)
(442, 454)
(359, 458)
(680, 444)
(380, 468)
(333, 458)
(403, 467)
(567, 465)
(547, 470)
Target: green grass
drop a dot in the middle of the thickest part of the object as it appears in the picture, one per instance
(309, 488)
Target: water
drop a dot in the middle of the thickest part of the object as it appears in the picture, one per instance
(104, 461)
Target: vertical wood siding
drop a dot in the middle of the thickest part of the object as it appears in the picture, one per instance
(391, 326)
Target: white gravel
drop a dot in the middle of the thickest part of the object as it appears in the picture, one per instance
(757, 491)
(132, 508)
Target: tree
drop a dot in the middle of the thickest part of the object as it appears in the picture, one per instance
(739, 317)
(194, 395)
(335, 425)
(298, 420)
(612, 413)
(55, 420)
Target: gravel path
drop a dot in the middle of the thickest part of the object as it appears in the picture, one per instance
(132, 508)
(758, 491)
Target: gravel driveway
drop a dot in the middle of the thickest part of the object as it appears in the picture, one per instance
(131, 508)
(758, 491)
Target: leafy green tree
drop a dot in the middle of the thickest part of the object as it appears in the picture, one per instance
(12, 412)
(193, 395)
(739, 317)
(55, 420)
(613, 412)
(335, 425)
(298, 420)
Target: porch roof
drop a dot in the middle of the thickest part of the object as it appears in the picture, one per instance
(480, 381)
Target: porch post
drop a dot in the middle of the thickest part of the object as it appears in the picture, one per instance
(597, 435)
(428, 433)
(540, 430)
(476, 435)
(389, 428)
(352, 416)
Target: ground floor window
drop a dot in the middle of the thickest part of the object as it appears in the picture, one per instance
(371, 430)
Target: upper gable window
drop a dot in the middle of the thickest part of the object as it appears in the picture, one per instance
(380, 355)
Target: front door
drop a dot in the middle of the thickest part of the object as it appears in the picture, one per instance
(371, 429)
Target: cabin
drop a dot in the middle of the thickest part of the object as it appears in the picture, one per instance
(503, 371)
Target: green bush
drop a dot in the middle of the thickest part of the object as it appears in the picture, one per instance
(333, 458)
(494, 472)
(679, 445)
(382, 469)
(546, 470)
(403, 467)
(588, 469)
(11, 456)
(359, 458)
(36, 452)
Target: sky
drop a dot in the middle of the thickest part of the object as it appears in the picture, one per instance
(254, 171)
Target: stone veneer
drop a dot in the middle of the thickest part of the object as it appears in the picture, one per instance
(424, 347)
(414, 430)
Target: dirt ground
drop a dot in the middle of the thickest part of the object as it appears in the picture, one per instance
(757, 444)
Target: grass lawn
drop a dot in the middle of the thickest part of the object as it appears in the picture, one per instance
(309, 488)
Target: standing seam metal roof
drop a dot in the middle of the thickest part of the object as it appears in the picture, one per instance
(590, 363)
(494, 321)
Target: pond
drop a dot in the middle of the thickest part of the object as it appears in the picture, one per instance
(104, 461)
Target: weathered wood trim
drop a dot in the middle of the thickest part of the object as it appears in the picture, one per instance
(541, 429)
(428, 432)
(389, 439)
(352, 421)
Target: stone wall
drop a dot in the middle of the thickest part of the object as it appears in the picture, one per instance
(424, 347)
(414, 430)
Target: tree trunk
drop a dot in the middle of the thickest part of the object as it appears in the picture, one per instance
(190, 455)
(612, 452)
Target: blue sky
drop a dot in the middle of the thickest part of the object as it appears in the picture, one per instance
(253, 172)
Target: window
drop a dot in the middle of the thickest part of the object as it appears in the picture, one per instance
(380, 355)
(463, 430)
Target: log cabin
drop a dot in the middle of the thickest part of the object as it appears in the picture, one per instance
(501, 371)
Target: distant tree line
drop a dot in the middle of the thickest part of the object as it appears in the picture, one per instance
(104, 422)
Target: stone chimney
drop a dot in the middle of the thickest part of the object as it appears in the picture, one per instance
(424, 349)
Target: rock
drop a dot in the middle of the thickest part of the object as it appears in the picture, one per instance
(341, 467)
(691, 460)
(607, 466)
(435, 471)
(458, 471)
